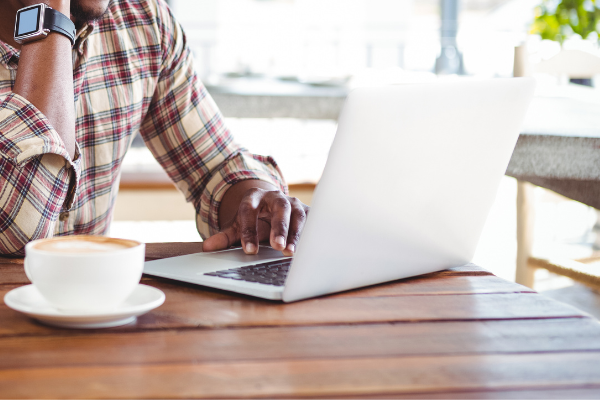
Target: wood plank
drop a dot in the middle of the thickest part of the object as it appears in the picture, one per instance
(10, 260)
(14, 273)
(189, 306)
(11, 269)
(194, 306)
(124, 346)
(543, 394)
(157, 251)
(439, 285)
(17, 324)
(158, 180)
(467, 269)
(11, 274)
(424, 285)
(318, 378)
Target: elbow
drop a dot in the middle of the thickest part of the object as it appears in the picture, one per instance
(17, 251)
(13, 242)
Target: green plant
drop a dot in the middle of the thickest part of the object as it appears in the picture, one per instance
(559, 19)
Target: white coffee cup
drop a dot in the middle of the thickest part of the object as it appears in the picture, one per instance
(84, 273)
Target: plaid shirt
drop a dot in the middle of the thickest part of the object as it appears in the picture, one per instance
(132, 72)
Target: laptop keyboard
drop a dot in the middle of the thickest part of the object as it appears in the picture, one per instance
(269, 273)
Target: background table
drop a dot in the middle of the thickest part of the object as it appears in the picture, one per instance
(557, 149)
(460, 333)
(559, 145)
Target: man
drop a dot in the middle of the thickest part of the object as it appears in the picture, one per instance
(128, 70)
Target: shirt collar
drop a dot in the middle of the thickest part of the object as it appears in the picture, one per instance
(9, 56)
(82, 36)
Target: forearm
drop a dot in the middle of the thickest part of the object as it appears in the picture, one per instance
(45, 78)
(233, 196)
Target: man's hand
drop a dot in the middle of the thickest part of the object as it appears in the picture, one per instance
(263, 213)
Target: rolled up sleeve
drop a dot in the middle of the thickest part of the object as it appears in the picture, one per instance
(38, 178)
(186, 134)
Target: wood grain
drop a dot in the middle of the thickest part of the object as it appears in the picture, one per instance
(195, 306)
(157, 251)
(430, 284)
(421, 285)
(191, 295)
(13, 273)
(192, 307)
(11, 260)
(441, 285)
(467, 269)
(542, 394)
(124, 346)
(146, 180)
(317, 378)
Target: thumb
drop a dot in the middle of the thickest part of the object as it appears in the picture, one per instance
(221, 240)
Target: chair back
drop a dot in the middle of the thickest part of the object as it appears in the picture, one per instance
(575, 64)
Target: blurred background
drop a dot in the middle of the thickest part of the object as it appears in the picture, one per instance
(280, 69)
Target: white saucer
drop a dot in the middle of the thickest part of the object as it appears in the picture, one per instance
(28, 300)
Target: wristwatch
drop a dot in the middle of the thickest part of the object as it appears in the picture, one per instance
(37, 21)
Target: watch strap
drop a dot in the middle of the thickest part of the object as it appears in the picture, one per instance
(59, 23)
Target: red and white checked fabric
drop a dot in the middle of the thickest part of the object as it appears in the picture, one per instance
(132, 72)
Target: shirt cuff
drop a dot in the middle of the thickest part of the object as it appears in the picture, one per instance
(242, 166)
(74, 167)
(26, 133)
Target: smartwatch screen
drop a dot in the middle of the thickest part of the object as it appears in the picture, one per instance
(28, 21)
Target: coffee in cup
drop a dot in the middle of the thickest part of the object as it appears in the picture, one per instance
(84, 273)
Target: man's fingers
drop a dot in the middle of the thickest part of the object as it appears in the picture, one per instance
(220, 241)
(280, 219)
(261, 215)
(248, 220)
(297, 221)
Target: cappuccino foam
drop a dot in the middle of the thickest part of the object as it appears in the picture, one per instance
(84, 245)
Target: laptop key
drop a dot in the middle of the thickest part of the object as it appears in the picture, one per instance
(269, 273)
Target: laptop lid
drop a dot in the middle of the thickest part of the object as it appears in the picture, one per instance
(410, 178)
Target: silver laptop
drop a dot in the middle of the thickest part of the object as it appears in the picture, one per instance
(411, 176)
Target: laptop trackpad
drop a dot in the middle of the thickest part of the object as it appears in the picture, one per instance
(237, 258)
(199, 263)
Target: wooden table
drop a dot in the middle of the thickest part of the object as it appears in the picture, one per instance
(460, 333)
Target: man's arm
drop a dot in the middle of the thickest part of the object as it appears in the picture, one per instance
(45, 77)
(238, 196)
(39, 167)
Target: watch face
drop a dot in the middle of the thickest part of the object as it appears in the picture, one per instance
(28, 21)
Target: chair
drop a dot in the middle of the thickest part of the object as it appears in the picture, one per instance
(567, 64)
